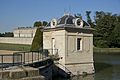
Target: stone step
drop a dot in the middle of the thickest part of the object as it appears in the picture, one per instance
(33, 78)
(19, 73)
(29, 78)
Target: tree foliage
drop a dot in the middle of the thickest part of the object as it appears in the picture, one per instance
(107, 28)
(40, 24)
(89, 20)
(37, 24)
(44, 23)
(38, 38)
(88, 17)
(1, 35)
(6, 34)
(37, 41)
(114, 38)
(78, 16)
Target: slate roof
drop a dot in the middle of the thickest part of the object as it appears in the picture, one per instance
(68, 20)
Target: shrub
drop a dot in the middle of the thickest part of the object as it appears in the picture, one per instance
(37, 41)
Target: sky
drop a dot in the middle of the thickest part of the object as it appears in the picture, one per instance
(23, 13)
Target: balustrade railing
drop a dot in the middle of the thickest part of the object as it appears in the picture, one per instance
(28, 57)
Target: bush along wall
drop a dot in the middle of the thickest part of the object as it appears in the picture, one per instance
(37, 41)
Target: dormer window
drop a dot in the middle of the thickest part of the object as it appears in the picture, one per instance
(68, 20)
(53, 23)
(78, 22)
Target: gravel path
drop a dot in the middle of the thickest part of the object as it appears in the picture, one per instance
(7, 52)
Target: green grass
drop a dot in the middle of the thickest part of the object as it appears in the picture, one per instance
(107, 50)
(14, 47)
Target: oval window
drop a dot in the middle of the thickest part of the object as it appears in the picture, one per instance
(78, 23)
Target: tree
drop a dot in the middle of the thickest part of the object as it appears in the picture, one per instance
(89, 20)
(37, 41)
(38, 38)
(88, 17)
(114, 38)
(38, 24)
(8, 34)
(106, 26)
(78, 15)
(1, 34)
(44, 23)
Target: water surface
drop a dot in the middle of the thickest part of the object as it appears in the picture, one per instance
(107, 67)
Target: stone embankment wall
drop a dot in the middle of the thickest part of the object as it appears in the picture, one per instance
(15, 40)
(23, 73)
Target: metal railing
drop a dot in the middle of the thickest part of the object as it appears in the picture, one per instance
(32, 56)
(28, 57)
(53, 51)
(7, 60)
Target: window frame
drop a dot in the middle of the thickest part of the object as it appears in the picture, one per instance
(80, 42)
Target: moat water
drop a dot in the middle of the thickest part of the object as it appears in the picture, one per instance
(107, 67)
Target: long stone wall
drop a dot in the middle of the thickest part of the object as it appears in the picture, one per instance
(15, 40)
(25, 32)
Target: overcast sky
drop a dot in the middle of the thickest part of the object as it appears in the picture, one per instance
(22, 13)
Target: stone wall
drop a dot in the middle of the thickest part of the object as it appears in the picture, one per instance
(21, 73)
(15, 40)
(24, 32)
(79, 61)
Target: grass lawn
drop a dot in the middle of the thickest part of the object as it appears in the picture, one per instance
(14, 47)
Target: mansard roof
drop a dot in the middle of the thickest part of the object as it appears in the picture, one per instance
(68, 20)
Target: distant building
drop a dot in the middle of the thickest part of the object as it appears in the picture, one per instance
(73, 39)
(22, 35)
(24, 32)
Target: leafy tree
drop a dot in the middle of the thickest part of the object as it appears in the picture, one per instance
(88, 16)
(38, 38)
(1, 35)
(38, 24)
(102, 27)
(89, 20)
(114, 38)
(106, 26)
(78, 16)
(8, 34)
(44, 23)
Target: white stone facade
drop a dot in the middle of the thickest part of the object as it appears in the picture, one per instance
(24, 32)
(75, 47)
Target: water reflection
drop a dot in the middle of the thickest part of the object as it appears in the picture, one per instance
(105, 74)
(107, 67)
(89, 77)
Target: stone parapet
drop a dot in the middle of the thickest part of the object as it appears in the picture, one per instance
(15, 40)
(21, 73)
